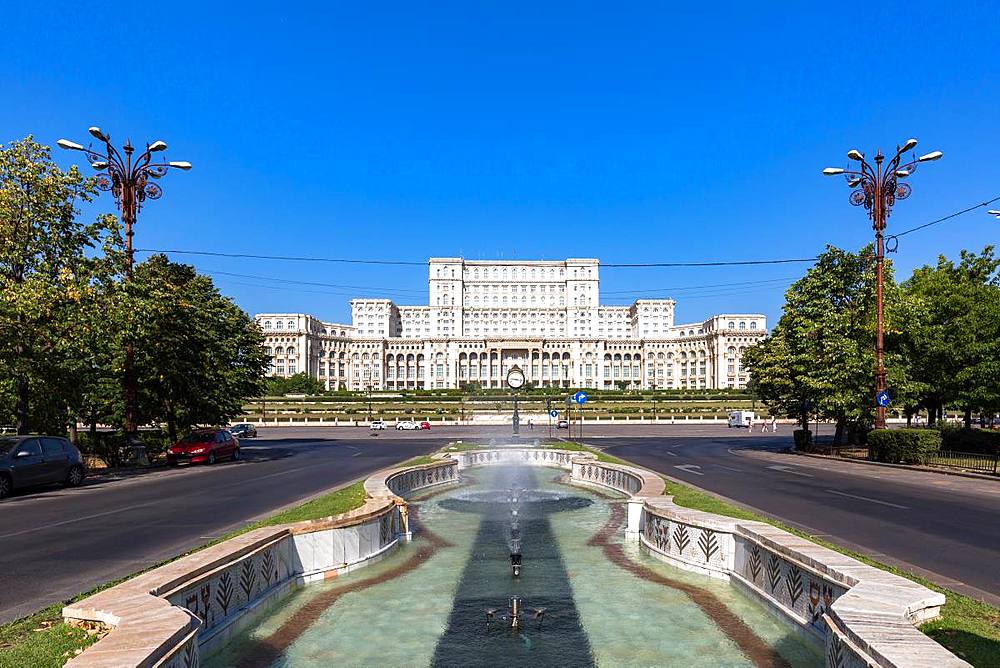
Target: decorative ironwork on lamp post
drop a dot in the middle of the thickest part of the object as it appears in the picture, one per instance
(129, 180)
(877, 188)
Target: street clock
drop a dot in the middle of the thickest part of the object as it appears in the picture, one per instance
(515, 378)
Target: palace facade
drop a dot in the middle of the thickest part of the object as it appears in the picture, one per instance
(483, 317)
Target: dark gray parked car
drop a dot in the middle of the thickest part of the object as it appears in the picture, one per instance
(38, 460)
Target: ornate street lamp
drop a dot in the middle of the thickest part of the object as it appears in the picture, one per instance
(129, 181)
(878, 188)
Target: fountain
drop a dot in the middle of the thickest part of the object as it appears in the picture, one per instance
(572, 607)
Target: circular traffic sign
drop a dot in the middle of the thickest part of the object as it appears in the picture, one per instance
(580, 397)
(553, 413)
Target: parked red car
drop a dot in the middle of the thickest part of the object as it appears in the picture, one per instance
(425, 425)
(204, 446)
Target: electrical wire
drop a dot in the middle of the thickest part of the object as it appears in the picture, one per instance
(610, 265)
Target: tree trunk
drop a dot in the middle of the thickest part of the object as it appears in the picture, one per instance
(940, 410)
(909, 418)
(931, 413)
(171, 424)
(93, 427)
(838, 436)
(21, 410)
(72, 429)
(968, 417)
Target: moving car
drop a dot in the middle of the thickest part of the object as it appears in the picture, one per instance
(562, 424)
(243, 430)
(38, 460)
(407, 425)
(377, 425)
(425, 425)
(204, 446)
(741, 418)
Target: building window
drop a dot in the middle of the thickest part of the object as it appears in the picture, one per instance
(732, 325)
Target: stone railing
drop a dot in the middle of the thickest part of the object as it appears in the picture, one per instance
(168, 616)
(513, 455)
(864, 615)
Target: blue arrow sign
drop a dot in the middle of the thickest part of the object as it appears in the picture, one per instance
(553, 413)
(882, 398)
(580, 397)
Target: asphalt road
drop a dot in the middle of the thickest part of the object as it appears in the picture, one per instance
(946, 528)
(56, 543)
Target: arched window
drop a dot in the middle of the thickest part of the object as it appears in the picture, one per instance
(291, 324)
(732, 325)
(753, 325)
(278, 325)
(267, 324)
(743, 325)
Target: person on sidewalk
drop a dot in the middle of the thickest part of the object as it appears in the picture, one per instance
(774, 424)
(749, 425)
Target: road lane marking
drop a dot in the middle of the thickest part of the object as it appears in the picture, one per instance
(689, 468)
(869, 500)
(672, 454)
(788, 469)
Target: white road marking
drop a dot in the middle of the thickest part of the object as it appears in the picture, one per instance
(690, 468)
(672, 454)
(869, 500)
(788, 469)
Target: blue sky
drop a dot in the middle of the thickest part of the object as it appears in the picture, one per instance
(629, 132)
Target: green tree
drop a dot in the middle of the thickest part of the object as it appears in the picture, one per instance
(49, 277)
(953, 339)
(300, 383)
(820, 356)
(198, 355)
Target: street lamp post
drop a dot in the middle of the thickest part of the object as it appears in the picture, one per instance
(878, 188)
(128, 179)
(368, 390)
(515, 381)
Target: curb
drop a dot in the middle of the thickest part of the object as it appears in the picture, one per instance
(905, 467)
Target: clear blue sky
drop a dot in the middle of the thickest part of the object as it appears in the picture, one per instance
(624, 131)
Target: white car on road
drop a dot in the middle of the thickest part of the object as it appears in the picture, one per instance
(377, 424)
(407, 425)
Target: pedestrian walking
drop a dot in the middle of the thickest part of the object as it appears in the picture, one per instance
(763, 426)
(774, 424)
(749, 425)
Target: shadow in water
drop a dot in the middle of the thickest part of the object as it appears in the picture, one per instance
(558, 640)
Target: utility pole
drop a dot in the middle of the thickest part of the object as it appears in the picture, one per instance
(129, 182)
(878, 188)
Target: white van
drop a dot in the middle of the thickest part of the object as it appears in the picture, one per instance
(741, 418)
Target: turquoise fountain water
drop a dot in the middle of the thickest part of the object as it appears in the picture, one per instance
(426, 603)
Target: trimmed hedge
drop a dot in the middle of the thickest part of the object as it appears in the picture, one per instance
(977, 441)
(903, 446)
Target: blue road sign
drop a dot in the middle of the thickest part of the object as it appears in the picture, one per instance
(883, 398)
(580, 397)
(554, 413)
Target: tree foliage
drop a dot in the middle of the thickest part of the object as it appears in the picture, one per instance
(300, 383)
(952, 341)
(820, 356)
(50, 282)
(198, 355)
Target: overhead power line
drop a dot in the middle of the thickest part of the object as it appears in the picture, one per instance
(610, 265)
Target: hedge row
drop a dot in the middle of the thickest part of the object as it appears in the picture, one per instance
(903, 446)
(977, 441)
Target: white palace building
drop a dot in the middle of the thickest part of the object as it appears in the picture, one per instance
(484, 317)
